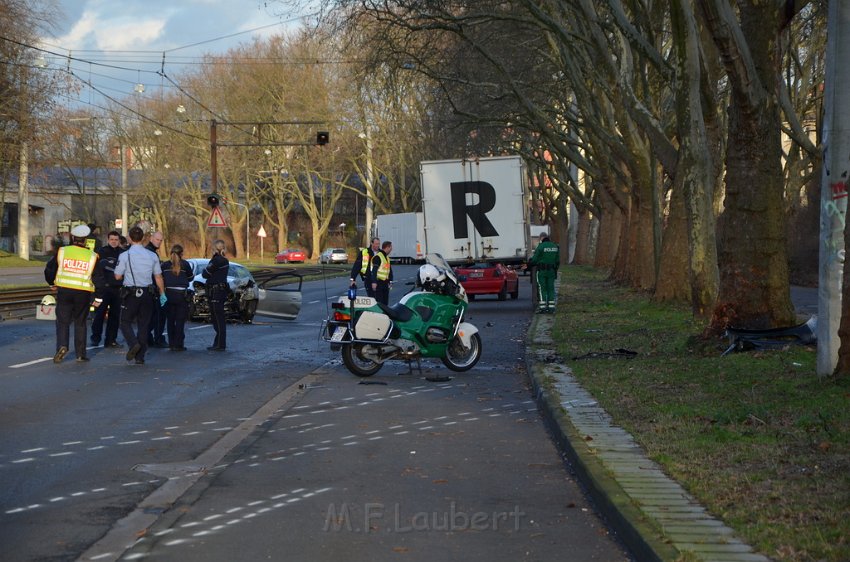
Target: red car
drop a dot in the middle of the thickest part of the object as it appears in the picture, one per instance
(290, 256)
(488, 278)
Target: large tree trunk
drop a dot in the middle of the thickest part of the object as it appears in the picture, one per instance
(611, 224)
(583, 238)
(673, 283)
(754, 288)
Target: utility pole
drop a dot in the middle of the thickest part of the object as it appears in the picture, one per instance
(370, 190)
(23, 204)
(124, 217)
(833, 211)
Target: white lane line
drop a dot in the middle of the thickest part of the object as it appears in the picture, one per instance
(201, 327)
(28, 363)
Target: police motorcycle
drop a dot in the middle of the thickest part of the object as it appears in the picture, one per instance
(426, 323)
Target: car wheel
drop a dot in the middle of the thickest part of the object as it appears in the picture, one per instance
(470, 297)
(503, 293)
(515, 292)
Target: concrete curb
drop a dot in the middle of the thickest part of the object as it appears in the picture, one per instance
(652, 514)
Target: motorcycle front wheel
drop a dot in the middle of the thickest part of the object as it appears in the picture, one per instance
(356, 363)
(461, 359)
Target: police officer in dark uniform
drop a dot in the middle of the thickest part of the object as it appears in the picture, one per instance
(109, 289)
(157, 325)
(176, 274)
(217, 290)
(363, 266)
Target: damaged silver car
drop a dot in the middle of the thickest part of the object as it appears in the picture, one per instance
(242, 299)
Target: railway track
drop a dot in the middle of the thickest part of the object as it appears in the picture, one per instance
(21, 303)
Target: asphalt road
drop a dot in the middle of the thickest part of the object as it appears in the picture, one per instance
(273, 450)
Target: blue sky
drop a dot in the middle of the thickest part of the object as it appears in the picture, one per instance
(133, 35)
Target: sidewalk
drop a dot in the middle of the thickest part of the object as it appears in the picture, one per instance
(653, 515)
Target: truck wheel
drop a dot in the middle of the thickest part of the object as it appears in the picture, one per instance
(503, 294)
(356, 363)
(461, 359)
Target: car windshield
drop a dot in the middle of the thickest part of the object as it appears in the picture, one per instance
(238, 271)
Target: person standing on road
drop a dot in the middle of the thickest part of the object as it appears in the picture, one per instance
(362, 266)
(157, 326)
(176, 275)
(136, 268)
(69, 274)
(382, 273)
(545, 260)
(109, 289)
(217, 290)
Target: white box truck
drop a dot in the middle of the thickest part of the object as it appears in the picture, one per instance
(407, 233)
(476, 210)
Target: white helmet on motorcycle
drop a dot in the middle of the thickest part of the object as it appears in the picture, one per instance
(430, 276)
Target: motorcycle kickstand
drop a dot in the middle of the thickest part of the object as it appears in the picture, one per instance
(410, 366)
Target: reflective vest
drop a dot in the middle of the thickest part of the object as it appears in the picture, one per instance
(365, 258)
(76, 266)
(383, 269)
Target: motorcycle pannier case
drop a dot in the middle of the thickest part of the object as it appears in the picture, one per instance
(372, 326)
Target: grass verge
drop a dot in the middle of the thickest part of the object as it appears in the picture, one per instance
(757, 437)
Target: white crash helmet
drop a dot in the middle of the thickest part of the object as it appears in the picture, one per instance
(430, 275)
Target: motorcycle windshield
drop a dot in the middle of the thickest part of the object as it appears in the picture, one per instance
(440, 262)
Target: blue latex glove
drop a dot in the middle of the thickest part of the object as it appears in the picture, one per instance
(162, 299)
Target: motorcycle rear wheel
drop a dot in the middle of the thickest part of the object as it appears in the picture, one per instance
(460, 359)
(356, 363)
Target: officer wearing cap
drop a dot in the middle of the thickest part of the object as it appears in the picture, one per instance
(136, 268)
(69, 273)
(545, 260)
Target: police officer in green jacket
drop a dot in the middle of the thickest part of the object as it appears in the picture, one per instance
(545, 261)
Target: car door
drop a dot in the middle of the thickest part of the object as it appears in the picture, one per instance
(280, 296)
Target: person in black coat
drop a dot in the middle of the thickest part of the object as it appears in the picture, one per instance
(109, 289)
(157, 325)
(217, 290)
(362, 266)
(176, 274)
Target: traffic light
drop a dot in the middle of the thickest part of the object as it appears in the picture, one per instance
(322, 138)
(213, 200)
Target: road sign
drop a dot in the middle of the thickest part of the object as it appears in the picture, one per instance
(262, 232)
(216, 219)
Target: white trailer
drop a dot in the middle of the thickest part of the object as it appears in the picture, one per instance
(407, 233)
(476, 210)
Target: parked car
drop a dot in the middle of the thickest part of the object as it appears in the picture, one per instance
(290, 256)
(334, 255)
(488, 278)
(242, 301)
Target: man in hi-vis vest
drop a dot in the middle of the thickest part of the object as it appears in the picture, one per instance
(69, 275)
(363, 266)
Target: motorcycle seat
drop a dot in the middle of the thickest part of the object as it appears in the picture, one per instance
(397, 312)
